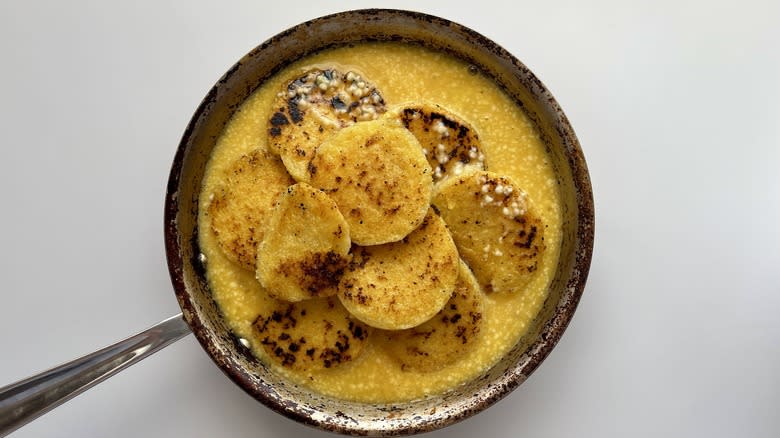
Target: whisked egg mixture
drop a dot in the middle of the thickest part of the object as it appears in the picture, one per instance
(512, 148)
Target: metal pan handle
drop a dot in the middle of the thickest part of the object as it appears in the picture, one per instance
(28, 399)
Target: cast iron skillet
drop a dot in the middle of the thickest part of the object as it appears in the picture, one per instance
(25, 400)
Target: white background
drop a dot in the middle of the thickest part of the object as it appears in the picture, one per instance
(677, 107)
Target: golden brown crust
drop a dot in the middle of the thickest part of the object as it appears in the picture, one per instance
(402, 284)
(241, 207)
(495, 228)
(450, 144)
(306, 247)
(446, 337)
(379, 178)
(312, 107)
(310, 335)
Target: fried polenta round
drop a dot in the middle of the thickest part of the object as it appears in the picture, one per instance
(450, 144)
(379, 178)
(494, 227)
(444, 338)
(314, 106)
(402, 284)
(306, 247)
(240, 208)
(310, 335)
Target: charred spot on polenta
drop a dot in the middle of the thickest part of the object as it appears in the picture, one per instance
(310, 335)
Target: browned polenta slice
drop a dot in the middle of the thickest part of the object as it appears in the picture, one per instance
(444, 338)
(312, 107)
(306, 246)
(495, 228)
(310, 335)
(379, 178)
(450, 144)
(402, 284)
(239, 209)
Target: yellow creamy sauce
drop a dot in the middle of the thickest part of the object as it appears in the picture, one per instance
(512, 147)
